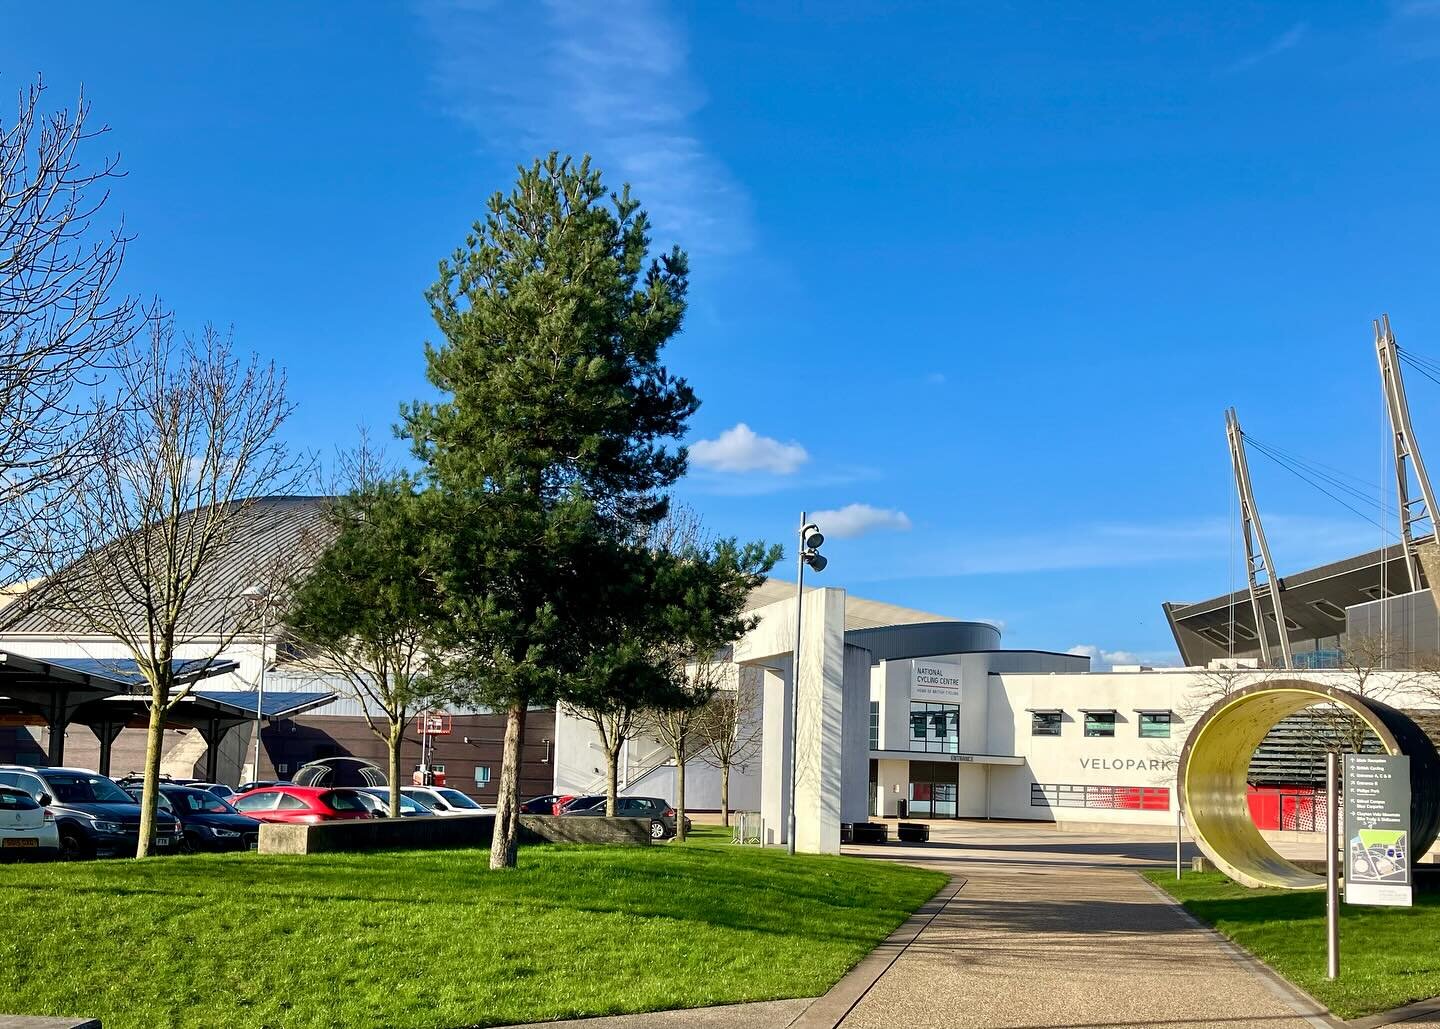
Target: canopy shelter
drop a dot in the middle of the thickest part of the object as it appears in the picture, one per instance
(104, 694)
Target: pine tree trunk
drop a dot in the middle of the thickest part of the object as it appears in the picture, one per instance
(725, 794)
(680, 792)
(394, 743)
(154, 743)
(507, 805)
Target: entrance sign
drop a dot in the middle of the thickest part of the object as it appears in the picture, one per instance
(1377, 829)
(937, 682)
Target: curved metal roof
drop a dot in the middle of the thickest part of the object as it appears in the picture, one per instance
(269, 532)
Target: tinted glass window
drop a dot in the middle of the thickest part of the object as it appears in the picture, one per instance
(1155, 725)
(289, 802)
(258, 802)
(85, 789)
(457, 799)
(1045, 723)
(343, 800)
(9, 779)
(1100, 723)
(204, 803)
(15, 800)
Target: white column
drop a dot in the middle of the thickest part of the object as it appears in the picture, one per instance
(775, 756)
(818, 749)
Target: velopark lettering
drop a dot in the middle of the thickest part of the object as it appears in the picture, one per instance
(1128, 764)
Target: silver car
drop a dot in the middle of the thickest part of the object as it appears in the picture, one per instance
(27, 830)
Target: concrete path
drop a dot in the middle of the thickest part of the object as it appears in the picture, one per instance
(1045, 929)
(1056, 929)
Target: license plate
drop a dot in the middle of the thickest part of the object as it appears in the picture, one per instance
(24, 841)
(162, 841)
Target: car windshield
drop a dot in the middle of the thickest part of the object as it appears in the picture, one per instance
(200, 802)
(457, 799)
(70, 788)
(344, 800)
(423, 799)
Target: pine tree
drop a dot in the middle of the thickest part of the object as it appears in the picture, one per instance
(555, 440)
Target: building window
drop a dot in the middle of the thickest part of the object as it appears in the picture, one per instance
(874, 725)
(935, 728)
(482, 776)
(1113, 798)
(1045, 723)
(1155, 725)
(1099, 723)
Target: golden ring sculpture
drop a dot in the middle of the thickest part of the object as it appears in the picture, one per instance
(1213, 776)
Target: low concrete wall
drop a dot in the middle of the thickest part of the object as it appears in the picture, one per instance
(437, 833)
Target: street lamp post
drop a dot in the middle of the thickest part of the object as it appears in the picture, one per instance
(807, 553)
(257, 594)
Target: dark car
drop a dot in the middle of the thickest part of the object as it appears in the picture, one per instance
(575, 805)
(659, 812)
(210, 823)
(259, 784)
(540, 805)
(95, 817)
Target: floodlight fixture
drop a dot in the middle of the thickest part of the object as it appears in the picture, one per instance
(811, 537)
(816, 562)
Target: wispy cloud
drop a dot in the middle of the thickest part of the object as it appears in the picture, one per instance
(1297, 541)
(854, 520)
(611, 80)
(1287, 40)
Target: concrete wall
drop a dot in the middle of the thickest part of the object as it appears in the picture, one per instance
(438, 833)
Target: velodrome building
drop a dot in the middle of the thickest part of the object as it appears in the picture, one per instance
(900, 712)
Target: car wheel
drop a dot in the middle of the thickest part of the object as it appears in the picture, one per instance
(73, 846)
(657, 830)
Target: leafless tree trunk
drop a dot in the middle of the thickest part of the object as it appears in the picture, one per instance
(728, 728)
(614, 725)
(151, 523)
(60, 323)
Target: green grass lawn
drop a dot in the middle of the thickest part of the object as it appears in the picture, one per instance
(1388, 956)
(433, 938)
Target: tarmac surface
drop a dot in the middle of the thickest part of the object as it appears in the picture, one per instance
(1039, 928)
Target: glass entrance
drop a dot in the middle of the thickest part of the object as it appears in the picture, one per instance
(933, 800)
(934, 789)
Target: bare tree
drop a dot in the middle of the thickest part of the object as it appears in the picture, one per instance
(60, 322)
(728, 728)
(676, 725)
(158, 526)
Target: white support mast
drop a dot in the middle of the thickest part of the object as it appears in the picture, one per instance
(1419, 511)
(1259, 569)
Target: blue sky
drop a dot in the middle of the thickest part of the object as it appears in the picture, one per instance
(990, 272)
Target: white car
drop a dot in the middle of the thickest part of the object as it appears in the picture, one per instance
(442, 800)
(27, 830)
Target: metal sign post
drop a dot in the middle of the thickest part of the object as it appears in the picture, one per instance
(1179, 817)
(1332, 870)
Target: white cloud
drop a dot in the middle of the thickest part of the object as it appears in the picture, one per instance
(1287, 40)
(742, 449)
(611, 80)
(858, 519)
(1102, 660)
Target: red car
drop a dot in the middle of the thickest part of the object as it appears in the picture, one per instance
(306, 804)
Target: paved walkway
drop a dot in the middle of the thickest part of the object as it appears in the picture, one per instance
(1056, 929)
(1047, 929)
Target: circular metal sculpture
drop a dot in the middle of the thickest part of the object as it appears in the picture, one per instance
(1216, 761)
(340, 771)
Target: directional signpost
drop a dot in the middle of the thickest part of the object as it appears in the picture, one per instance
(1377, 830)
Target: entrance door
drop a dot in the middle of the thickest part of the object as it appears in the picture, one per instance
(934, 790)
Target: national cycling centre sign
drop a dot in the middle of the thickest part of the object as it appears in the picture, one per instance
(936, 682)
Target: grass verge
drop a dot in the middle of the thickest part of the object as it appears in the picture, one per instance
(1388, 956)
(434, 939)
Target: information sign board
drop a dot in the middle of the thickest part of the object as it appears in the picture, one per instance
(1376, 843)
